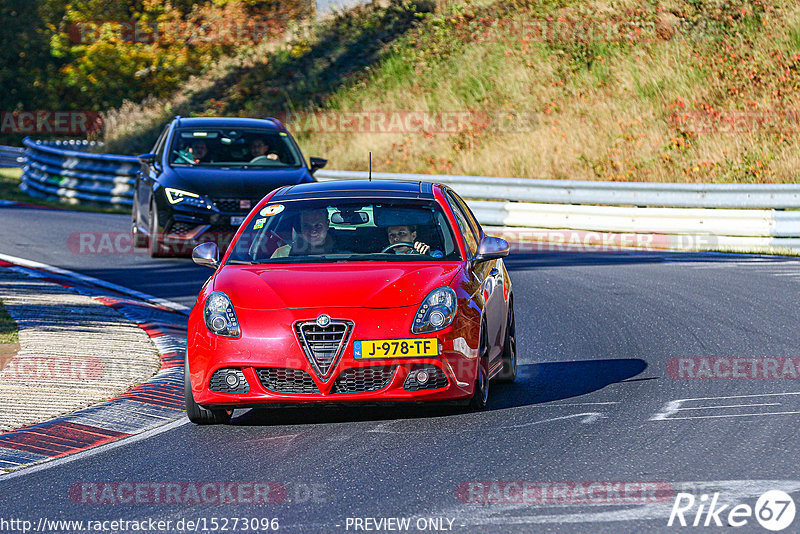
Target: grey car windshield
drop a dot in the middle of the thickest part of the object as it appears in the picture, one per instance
(229, 147)
(337, 230)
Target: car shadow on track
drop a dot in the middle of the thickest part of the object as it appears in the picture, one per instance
(535, 384)
(553, 381)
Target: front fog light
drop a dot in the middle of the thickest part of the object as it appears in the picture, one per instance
(219, 315)
(437, 311)
(422, 377)
(232, 380)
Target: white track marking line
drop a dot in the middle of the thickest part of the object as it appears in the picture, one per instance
(96, 281)
(730, 406)
(588, 418)
(674, 406)
(729, 415)
(48, 464)
(572, 404)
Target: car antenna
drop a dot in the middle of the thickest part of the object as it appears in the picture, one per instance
(370, 166)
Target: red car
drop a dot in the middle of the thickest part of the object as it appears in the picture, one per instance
(348, 292)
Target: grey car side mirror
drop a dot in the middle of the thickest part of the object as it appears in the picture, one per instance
(491, 248)
(206, 254)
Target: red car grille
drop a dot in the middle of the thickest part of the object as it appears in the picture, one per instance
(323, 345)
(363, 379)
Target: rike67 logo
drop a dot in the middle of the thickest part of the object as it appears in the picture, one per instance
(774, 510)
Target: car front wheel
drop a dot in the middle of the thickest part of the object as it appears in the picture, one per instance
(155, 244)
(481, 395)
(196, 413)
(509, 371)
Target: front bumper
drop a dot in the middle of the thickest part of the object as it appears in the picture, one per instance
(185, 226)
(269, 347)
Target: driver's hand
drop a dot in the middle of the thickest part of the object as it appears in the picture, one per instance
(421, 248)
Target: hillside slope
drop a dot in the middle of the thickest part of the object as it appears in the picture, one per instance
(672, 90)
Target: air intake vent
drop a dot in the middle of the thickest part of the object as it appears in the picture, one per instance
(286, 380)
(363, 379)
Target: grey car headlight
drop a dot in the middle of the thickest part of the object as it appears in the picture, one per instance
(437, 311)
(219, 315)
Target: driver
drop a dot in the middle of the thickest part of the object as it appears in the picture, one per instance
(313, 237)
(259, 150)
(406, 234)
(198, 150)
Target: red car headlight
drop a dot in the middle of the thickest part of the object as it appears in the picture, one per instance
(436, 311)
(219, 315)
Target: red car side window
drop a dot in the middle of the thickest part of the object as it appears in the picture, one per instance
(463, 224)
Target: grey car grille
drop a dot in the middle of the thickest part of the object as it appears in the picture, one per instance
(323, 346)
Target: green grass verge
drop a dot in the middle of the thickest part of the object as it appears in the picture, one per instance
(10, 179)
(9, 333)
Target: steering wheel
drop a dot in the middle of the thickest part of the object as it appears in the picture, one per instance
(400, 244)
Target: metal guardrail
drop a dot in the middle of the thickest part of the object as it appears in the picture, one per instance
(11, 156)
(78, 177)
(671, 195)
(725, 216)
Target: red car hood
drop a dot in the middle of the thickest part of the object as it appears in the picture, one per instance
(332, 285)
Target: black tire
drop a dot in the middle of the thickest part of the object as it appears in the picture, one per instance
(154, 243)
(196, 413)
(481, 395)
(509, 371)
(139, 240)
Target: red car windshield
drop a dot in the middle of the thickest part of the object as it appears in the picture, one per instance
(337, 230)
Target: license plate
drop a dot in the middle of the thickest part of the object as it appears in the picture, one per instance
(236, 221)
(395, 348)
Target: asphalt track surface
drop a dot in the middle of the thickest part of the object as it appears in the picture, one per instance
(594, 402)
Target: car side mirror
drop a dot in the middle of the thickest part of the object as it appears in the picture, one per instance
(491, 248)
(317, 164)
(206, 254)
(148, 159)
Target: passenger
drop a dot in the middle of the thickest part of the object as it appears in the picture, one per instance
(313, 237)
(406, 234)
